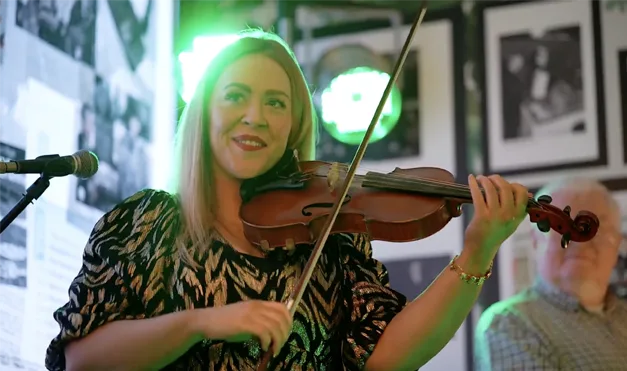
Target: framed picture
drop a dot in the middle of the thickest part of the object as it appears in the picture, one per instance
(543, 89)
(622, 68)
(430, 130)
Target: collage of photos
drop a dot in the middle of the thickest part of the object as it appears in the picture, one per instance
(67, 25)
(117, 129)
(13, 254)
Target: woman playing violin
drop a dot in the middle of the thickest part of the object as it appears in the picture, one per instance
(169, 281)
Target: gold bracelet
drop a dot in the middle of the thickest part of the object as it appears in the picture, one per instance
(469, 278)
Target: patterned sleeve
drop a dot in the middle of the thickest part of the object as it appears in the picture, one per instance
(503, 341)
(371, 303)
(103, 289)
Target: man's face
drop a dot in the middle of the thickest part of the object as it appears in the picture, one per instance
(582, 264)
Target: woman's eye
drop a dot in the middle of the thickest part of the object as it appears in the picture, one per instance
(276, 103)
(234, 97)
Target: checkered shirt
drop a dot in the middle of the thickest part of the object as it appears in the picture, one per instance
(542, 328)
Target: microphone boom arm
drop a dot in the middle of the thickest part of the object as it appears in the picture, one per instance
(32, 193)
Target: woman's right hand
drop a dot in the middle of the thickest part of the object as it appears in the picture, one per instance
(268, 322)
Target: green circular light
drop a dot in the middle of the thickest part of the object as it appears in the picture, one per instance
(349, 102)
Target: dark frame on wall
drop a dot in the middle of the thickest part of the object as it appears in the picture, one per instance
(564, 130)
(622, 65)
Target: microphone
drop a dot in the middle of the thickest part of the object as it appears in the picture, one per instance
(82, 164)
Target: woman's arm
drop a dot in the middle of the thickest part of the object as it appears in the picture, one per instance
(143, 344)
(426, 325)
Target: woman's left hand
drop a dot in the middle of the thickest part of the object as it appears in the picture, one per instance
(498, 213)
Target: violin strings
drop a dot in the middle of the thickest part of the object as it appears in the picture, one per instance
(409, 183)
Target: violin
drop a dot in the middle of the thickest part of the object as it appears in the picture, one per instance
(304, 202)
(290, 207)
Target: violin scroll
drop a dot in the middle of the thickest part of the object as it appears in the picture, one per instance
(546, 216)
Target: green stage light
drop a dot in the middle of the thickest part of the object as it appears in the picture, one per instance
(354, 80)
(194, 62)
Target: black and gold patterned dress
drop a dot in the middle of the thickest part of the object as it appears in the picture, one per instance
(131, 271)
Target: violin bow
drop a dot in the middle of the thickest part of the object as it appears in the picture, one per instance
(296, 296)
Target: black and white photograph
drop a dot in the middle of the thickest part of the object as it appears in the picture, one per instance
(542, 87)
(67, 25)
(431, 128)
(402, 141)
(12, 186)
(13, 256)
(131, 20)
(622, 65)
(3, 24)
(125, 45)
(117, 129)
(542, 84)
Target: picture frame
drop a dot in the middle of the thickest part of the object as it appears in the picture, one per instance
(441, 97)
(541, 70)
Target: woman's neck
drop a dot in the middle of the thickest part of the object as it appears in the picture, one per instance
(228, 223)
(227, 199)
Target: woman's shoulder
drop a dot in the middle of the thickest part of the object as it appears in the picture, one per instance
(142, 207)
(147, 219)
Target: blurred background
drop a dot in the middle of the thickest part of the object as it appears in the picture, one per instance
(532, 90)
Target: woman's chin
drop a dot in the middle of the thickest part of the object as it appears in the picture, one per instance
(249, 171)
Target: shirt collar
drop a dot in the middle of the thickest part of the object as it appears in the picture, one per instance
(565, 301)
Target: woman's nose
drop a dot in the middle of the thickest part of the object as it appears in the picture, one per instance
(254, 115)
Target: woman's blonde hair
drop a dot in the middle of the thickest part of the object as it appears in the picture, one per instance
(193, 181)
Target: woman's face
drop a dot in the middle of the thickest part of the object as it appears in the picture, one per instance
(250, 116)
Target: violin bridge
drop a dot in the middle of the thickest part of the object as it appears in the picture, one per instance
(333, 177)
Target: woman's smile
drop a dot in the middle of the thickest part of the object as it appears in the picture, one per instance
(249, 143)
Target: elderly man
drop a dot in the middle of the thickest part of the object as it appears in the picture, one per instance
(568, 320)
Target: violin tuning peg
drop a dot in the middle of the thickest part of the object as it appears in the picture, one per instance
(545, 199)
(567, 210)
(565, 240)
(544, 225)
(289, 244)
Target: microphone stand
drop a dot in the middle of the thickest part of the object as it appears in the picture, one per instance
(32, 193)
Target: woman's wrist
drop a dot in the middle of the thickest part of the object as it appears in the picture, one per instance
(195, 323)
(476, 259)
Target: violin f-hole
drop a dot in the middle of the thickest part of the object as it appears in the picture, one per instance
(323, 205)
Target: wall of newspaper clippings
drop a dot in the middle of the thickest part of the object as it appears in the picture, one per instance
(74, 74)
